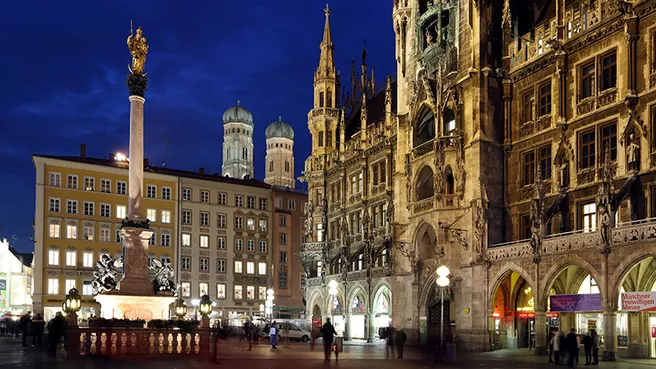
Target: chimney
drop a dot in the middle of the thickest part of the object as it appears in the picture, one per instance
(83, 151)
(145, 162)
(201, 170)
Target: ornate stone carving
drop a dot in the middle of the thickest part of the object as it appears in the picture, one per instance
(162, 277)
(607, 98)
(585, 176)
(107, 275)
(408, 181)
(526, 129)
(585, 106)
(461, 174)
(439, 167)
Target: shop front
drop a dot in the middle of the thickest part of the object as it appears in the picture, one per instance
(337, 313)
(358, 319)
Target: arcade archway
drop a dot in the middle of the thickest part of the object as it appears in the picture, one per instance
(382, 308)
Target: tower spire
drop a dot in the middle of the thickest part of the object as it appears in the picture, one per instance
(326, 62)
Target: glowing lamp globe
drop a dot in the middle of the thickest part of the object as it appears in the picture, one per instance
(73, 301)
(205, 306)
(333, 284)
(442, 281)
(180, 308)
(443, 271)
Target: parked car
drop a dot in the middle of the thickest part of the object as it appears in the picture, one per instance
(293, 332)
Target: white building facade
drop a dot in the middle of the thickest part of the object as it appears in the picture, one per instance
(15, 280)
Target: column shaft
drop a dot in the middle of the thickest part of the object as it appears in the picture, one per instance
(136, 157)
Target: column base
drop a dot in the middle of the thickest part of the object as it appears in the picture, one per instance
(608, 356)
(136, 286)
(370, 340)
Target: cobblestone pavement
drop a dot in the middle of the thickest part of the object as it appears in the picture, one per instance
(235, 354)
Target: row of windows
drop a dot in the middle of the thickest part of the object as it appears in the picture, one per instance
(55, 180)
(286, 146)
(54, 287)
(237, 130)
(604, 66)
(291, 204)
(71, 232)
(287, 166)
(222, 199)
(88, 260)
(586, 215)
(356, 181)
(221, 221)
(238, 292)
(230, 155)
(105, 211)
(592, 144)
(329, 138)
(221, 266)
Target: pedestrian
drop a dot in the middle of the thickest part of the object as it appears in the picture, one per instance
(595, 347)
(23, 324)
(558, 347)
(328, 333)
(400, 339)
(391, 333)
(587, 348)
(273, 335)
(3, 327)
(37, 326)
(56, 328)
(572, 347)
(248, 334)
(550, 339)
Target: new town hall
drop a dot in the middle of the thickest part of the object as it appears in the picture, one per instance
(516, 146)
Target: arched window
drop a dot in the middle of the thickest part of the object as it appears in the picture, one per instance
(450, 181)
(286, 166)
(321, 101)
(424, 188)
(425, 127)
(449, 123)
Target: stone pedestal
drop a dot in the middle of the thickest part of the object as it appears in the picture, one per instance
(134, 307)
(541, 333)
(135, 262)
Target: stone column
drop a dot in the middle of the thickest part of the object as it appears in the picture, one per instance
(610, 335)
(136, 157)
(347, 324)
(540, 332)
(371, 331)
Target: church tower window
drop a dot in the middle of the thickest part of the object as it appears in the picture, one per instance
(321, 102)
(329, 138)
(321, 139)
(271, 166)
(329, 99)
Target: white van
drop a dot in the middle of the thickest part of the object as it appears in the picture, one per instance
(292, 331)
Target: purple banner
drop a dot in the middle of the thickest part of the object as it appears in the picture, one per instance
(587, 302)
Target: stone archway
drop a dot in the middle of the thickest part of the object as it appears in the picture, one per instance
(425, 242)
(424, 184)
(381, 308)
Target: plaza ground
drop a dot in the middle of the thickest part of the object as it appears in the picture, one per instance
(234, 354)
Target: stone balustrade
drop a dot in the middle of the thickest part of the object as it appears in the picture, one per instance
(623, 234)
(136, 341)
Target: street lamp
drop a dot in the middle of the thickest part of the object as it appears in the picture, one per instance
(443, 281)
(332, 290)
(269, 302)
(180, 308)
(72, 305)
(205, 310)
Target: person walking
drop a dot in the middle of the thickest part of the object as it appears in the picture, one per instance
(248, 334)
(572, 342)
(328, 333)
(550, 339)
(23, 324)
(391, 334)
(400, 339)
(595, 347)
(37, 326)
(273, 335)
(587, 348)
(56, 328)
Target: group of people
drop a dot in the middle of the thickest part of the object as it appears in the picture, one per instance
(36, 326)
(561, 345)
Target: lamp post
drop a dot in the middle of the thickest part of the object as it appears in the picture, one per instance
(442, 281)
(332, 290)
(269, 302)
(72, 305)
(180, 308)
(205, 310)
(195, 303)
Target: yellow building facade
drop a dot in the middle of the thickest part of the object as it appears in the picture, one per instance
(80, 203)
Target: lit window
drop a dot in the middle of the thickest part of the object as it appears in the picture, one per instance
(87, 232)
(204, 241)
(121, 211)
(71, 231)
(87, 259)
(250, 267)
(221, 291)
(186, 239)
(589, 216)
(238, 267)
(250, 224)
(53, 257)
(166, 216)
(89, 183)
(186, 289)
(71, 258)
(104, 234)
(70, 284)
(202, 288)
(54, 230)
(250, 292)
(87, 290)
(151, 214)
(238, 293)
(53, 286)
(261, 293)
(261, 268)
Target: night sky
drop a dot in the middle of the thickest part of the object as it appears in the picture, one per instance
(64, 63)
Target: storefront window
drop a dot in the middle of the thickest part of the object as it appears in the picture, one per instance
(358, 305)
(586, 322)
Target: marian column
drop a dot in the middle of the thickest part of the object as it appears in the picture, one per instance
(136, 229)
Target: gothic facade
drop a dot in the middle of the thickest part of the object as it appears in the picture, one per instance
(515, 147)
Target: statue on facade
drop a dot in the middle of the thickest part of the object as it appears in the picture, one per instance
(633, 153)
(344, 230)
(163, 277)
(479, 229)
(563, 170)
(389, 215)
(536, 237)
(604, 228)
(107, 274)
(308, 211)
(138, 50)
(429, 38)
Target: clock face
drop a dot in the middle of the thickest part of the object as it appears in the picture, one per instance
(467, 310)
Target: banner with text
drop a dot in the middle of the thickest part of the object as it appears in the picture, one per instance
(585, 302)
(639, 301)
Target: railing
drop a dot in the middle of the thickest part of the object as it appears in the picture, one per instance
(423, 149)
(423, 205)
(137, 341)
(643, 230)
